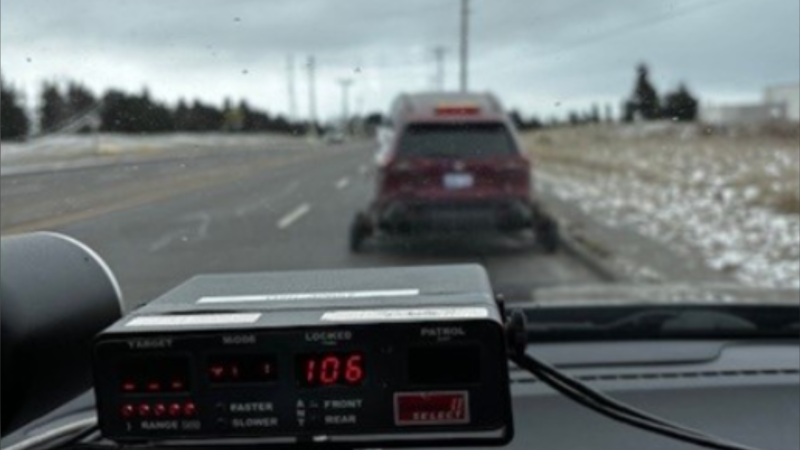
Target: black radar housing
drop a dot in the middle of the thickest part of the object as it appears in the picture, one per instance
(349, 358)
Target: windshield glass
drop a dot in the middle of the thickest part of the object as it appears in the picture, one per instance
(456, 141)
(645, 143)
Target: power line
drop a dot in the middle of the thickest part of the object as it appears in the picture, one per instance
(612, 33)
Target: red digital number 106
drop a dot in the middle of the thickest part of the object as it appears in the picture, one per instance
(334, 369)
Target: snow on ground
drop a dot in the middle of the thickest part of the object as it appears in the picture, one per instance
(732, 198)
(71, 146)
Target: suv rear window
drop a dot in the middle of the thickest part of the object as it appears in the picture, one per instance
(456, 141)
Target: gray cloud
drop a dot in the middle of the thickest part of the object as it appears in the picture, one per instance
(534, 54)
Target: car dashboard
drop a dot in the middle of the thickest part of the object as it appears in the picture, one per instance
(743, 391)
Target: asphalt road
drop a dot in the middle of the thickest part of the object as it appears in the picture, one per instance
(158, 222)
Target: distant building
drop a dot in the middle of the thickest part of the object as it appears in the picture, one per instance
(780, 103)
(788, 96)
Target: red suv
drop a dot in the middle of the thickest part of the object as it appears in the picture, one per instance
(453, 162)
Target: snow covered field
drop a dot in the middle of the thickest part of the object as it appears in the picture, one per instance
(733, 198)
(58, 152)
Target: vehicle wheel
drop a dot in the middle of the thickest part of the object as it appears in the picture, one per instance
(360, 230)
(547, 234)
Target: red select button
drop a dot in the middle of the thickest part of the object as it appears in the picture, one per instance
(431, 408)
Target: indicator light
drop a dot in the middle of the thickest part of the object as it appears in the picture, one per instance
(127, 411)
(128, 386)
(175, 410)
(189, 409)
(144, 410)
(159, 410)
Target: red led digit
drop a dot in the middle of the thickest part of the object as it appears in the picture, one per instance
(329, 372)
(217, 372)
(354, 373)
(310, 373)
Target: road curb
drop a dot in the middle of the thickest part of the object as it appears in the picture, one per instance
(598, 264)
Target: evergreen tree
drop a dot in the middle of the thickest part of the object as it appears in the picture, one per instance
(53, 111)
(181, 116)
(516, 119)
(134, 114)
(644, 102)
(645, 95)
(79, 99)
(14, 123)
(594, 115)
(681, 105)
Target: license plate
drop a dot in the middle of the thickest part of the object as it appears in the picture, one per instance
(458, 181)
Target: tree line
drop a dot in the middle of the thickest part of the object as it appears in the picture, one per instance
(63, 107)
(68, 107)
(646, 104)
(14, 123)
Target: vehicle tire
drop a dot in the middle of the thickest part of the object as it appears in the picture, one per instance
(547, 235)
(360, 230)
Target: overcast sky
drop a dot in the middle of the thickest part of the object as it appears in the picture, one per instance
(543, 56)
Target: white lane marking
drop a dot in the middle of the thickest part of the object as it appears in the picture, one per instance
(287, 220)
(197, 227)
(267, 203)
(341, 184)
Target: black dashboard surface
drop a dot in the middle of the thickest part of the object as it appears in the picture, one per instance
(743, 391)
(747, 392)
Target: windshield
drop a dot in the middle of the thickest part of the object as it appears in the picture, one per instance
(660, 141)
(456, 141)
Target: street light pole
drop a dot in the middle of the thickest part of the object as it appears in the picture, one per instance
(312, 95)
(464, 49)
(438, 53)
(345, 83)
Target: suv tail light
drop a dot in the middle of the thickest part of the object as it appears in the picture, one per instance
(396, 175)
(516, 175)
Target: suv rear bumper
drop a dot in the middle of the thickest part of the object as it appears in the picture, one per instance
(506, 215)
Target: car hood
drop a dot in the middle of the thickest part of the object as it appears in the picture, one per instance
(662, 294)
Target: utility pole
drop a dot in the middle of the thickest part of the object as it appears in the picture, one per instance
(345, 84)
(464, 50)
(438, 53)
(290, 86)
(312, 95)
